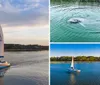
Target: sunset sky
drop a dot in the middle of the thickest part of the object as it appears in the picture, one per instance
(25, 21)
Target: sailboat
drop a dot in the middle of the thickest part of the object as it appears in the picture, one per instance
(3, 64)
(72, 69)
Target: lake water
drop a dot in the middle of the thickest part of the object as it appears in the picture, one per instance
(89, 75)
(27, 68)
(88, 30)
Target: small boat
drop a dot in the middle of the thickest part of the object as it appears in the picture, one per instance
(72, 69)
(3, 64)
(77, 21)
(74, 20)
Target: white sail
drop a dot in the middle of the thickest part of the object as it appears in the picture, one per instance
(1, 43)
(72, 64)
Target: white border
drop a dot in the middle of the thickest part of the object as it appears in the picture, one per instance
(74, 42)
(49, 44)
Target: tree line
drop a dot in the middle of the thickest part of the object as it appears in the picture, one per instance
(77, 58)
(79, 2)
(75, 0)
(19, 47)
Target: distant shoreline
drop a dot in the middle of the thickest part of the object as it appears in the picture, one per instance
(14, 50)
(20, 47)
(58, 62)
(77, 58)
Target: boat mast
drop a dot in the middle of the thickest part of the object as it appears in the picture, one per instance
(72, 64)
(1, 43)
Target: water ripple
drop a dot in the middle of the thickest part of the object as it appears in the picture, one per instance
(88, 29)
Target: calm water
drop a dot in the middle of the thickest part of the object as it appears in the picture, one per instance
(28, 68)
(89, 75)
(64, 31)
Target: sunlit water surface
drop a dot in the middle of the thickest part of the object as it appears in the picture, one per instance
(27, 68)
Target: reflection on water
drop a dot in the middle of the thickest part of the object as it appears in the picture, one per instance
(72, 79)
(89, 75)
(2, 73)
(27, 68)
(1, 81)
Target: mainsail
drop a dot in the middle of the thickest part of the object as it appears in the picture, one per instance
(72, 64)
(1, 43)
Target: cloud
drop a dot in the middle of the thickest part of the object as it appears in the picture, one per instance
(21, 19)
(26, 35)
(20, 5)
(23, 12)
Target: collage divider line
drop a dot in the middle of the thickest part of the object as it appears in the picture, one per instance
(74, 42)
(49, 45)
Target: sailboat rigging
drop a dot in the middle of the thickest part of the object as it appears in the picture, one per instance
(72, 69)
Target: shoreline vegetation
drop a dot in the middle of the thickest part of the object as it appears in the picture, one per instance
(20, 47)
(90, 1)
(78, 2)
(77, 58)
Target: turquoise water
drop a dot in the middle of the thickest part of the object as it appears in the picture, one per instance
(88, 30)
(89, 75)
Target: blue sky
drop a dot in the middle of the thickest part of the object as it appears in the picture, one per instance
(25, 21)
(74, 49)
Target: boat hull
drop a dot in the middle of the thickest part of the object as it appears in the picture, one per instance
(4, 65)
(73, 70)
